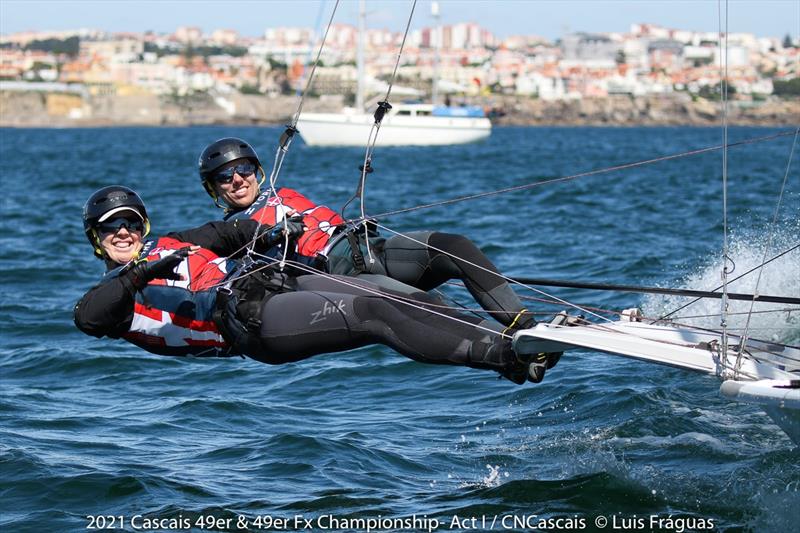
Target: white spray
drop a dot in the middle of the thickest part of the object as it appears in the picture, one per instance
(781, 277)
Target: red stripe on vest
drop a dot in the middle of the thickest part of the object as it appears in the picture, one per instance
(149, 312)
(314, 239)
(194, 325)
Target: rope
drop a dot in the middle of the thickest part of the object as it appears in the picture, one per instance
(286, 141)
(507, 278)
(380, 112)
(624, 166)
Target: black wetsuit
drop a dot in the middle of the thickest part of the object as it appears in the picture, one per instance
(298, 317)
(276, 318)
(427, 259)
(424, 259)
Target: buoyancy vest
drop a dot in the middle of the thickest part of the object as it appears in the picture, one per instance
(174, 317)
(321, 221)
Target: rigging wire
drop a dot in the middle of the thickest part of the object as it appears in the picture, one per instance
(411, 302)
(498, 274)
(723, 90)
(768, 244)
(740, 276)
(595, 172)
(430, 307)
(286, 140)
(380, 112)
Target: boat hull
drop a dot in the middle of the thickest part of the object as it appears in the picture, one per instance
(330, 129)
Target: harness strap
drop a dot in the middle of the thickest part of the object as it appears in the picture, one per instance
(355, 251)
(241, 340)
(238, 307)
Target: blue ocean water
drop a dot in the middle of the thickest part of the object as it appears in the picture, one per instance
(98, 428)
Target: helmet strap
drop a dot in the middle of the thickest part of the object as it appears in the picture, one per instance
(212, 193)
(263, 177)
(98, 247)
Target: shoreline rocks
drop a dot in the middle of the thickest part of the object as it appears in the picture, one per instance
(30, 109)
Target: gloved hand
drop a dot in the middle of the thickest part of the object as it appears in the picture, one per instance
(142, 273)
(293, 227)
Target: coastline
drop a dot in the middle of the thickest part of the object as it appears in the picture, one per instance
(30, 109)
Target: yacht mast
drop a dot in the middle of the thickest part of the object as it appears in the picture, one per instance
(362, 16)
(437, 47)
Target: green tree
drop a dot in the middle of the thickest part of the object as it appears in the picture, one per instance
(249, 89)
(70, 46)
(787, 41)
(786, 87)
(711, 92)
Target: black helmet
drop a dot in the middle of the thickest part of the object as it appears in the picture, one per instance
(105, 202)
(220, 153)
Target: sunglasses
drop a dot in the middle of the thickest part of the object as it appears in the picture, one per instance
(226, 175)
(114, 225)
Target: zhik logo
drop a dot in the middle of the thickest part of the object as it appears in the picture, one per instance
(327, 310)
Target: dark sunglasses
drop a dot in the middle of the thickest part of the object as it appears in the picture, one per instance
(114, 225)
(226, 175)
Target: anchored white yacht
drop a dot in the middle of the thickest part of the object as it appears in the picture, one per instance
(403, 125)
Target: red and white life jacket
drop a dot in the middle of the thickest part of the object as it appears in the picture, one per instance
(321, 222)
(175, 316)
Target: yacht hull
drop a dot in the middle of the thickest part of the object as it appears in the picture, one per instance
(331, 129)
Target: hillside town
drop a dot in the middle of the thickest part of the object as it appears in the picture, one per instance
(90, 76)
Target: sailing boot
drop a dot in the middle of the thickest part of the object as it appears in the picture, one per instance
(537, 365)
(500, 357)
(525, 320)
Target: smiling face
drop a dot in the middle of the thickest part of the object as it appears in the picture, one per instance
(121, 240)
(238, 190)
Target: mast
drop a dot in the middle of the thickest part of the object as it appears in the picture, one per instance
(437, 47)
(362, 16)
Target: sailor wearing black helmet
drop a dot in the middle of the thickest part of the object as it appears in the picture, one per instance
(154, 287)
(232, 173)
(163, 294)
(115, 222)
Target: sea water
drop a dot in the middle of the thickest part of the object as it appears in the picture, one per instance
(99, 434)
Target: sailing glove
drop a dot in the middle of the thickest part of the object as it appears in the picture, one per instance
(293, 228)
(146, 271)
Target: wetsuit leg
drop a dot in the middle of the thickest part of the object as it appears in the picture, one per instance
(425, 268)
(331, 314)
